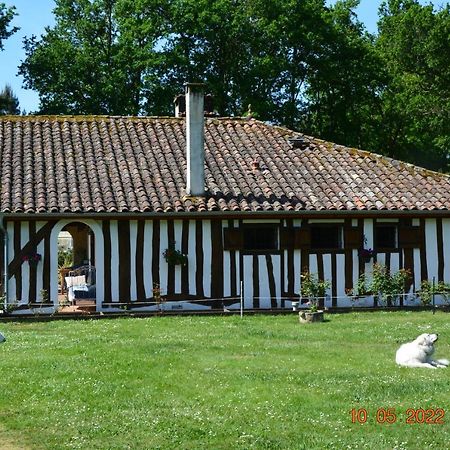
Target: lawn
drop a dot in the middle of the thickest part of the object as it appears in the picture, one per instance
(261, 382)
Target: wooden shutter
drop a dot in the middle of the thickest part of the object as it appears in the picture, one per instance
(353, 237)
(233, 239)
(286, 238)
(409, 237)
(302, 238)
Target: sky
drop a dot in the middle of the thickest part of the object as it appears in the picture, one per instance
(35, 15)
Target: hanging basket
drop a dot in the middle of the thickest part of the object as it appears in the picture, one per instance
(175, 257)
(32, 259)
(366, 254)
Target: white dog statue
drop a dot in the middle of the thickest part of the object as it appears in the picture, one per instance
(419, 352)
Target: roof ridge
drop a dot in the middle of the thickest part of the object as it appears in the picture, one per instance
(78, 117)
(121, 116)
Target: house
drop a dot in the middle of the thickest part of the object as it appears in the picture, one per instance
(244, 200)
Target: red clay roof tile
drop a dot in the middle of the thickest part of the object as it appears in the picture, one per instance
(125, 164)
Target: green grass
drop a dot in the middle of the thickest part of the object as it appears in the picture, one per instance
(262, 382)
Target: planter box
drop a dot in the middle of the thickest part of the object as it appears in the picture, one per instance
(363, 301)
(310, 317)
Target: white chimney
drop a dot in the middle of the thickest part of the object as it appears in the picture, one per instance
(195, 137)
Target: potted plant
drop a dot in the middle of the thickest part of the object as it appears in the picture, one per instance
(174, 257)
(388, 287)
(157, 296)
(428, 291)
(358, 292)
(7, 308)
(366, 253)
(312, 290)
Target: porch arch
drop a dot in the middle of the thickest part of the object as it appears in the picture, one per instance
(99, 257)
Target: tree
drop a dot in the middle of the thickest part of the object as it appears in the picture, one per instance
(92, 61)
(209, 41)
(6, 16)
(269, 53)
(129, 57)
(414, 45)
(343, 101)
(9, 104)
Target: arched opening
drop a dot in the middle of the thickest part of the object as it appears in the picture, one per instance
(76, 268)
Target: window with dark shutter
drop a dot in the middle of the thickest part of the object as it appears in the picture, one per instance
(326, 237)
(386, 237)
(261, 238)
(409, 237)
(353, 237)
(232, 239)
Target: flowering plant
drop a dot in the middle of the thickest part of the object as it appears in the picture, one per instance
(360, 290)
(388, 286)
(366, 253)
(32, 257)
(156, 290)
(174, 257)
(157, 293)
(314, 288)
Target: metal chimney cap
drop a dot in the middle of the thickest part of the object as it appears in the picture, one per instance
(299, 142)
(194, 87)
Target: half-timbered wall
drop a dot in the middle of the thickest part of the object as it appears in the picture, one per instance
(129, 261)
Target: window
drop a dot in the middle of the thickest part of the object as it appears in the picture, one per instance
(386, 237)
(326, 237)
(261, 238)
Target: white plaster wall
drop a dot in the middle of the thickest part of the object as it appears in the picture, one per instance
(431, 246)
(12, 281)
(148, 249)
(163, 266)
(226, 274)
(207, 261)
(178, 226)
(395, 262)
(417, 268)
(40, 267)
(263, 278)
(368, 233)
(192, 258)
(114, 233)
(446, 239)
(133, 244)
(24, 238)
(340, 273)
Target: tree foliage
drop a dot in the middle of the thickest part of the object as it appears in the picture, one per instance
(9, 104)
(342, 96)
(414, 44)
(93, 61)
(6, 16)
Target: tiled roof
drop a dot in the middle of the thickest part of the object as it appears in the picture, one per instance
(122, 164)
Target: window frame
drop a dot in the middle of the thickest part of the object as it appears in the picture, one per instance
(341, 243)
(389, 249)
(258, 226)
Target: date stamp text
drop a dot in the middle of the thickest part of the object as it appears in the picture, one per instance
(410, 416)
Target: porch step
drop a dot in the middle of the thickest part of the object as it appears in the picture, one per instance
(81, 307)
